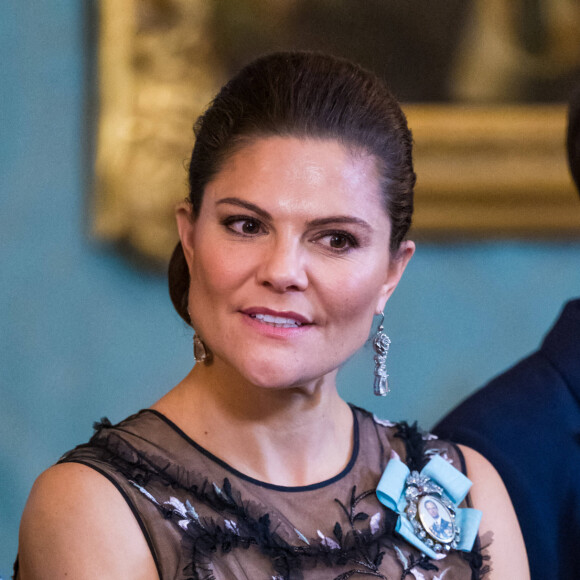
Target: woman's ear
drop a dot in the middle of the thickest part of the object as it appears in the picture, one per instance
(185, 228)
(397, 265)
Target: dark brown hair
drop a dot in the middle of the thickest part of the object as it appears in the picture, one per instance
(302, 94)
(573, 136)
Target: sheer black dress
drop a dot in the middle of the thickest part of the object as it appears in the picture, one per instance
(204, 520)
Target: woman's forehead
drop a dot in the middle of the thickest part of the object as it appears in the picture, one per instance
(316, 171)
(311, 160)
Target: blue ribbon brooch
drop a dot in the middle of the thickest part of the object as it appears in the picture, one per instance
(427, 504)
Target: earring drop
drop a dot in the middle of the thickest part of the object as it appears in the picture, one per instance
(381, 343)
(201, 353)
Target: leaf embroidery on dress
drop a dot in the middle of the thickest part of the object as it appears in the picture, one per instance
(232, 527)
(328, 542)
(356, 545)
(410, 564)
(144, 492)
(178, 505)
(302, 536)
(191, 510)
(375, 523)
(383, 422)
(401, 556)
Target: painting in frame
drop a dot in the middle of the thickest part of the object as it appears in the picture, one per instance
(489, 135)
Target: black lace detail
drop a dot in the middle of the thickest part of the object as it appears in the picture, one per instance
(104, 423)
(246, 524)
(476, 561)
(242, 528)
(356, 542)
(422, 562)
(414, 445)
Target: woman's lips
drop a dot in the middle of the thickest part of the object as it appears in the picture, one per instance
(279, 321)
(277, 317)
(276, 323)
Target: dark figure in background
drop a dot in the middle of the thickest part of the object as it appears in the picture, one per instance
(527, 423)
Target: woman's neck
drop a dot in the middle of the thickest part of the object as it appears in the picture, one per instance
(290, 437)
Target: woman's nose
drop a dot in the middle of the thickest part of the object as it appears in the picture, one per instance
(283, 268)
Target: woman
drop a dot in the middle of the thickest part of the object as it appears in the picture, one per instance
(292, 239)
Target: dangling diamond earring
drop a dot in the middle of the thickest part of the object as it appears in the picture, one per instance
(381, 343)
(201, 353)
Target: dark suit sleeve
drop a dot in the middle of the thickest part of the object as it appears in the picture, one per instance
(526, 423)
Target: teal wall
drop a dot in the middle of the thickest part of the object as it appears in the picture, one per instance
(83, 335)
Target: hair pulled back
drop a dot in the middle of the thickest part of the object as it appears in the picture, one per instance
(310, 95)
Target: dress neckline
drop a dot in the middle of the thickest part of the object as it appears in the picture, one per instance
(248, 478)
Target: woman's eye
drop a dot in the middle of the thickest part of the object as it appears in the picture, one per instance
(244, 225)
(338, 241)
(250, 227)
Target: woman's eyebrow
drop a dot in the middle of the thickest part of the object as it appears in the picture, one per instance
(335, 219)
(245, 204)
(340, 219)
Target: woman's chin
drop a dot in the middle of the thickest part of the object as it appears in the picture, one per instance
(277, 378)
(274, 380)
(271, 372)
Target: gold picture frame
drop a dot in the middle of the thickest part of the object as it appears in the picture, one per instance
(483, 171)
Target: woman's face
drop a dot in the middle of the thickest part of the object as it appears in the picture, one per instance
(289, 260)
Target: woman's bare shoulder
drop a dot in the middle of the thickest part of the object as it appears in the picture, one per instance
(499, 522)
(76, 524)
